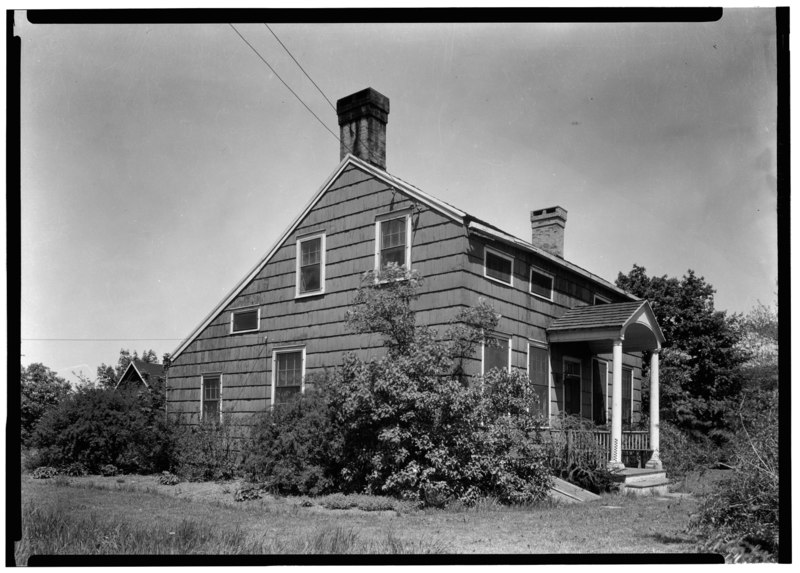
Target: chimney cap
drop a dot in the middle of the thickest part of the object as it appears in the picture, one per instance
(549, 213)
(365, 102)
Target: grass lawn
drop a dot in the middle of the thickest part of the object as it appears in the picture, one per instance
(136, 515)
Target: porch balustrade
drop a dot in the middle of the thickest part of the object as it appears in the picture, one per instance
(634, 443)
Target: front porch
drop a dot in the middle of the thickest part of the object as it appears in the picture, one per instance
(615, 329)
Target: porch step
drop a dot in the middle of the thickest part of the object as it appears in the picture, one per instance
(568, 493)
(652, 486)
(630, 476)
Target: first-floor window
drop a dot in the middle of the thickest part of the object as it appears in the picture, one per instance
(572, 387)
(211, 397)
(539, 374)
(288, 368)
(627, 396)
(496, 354)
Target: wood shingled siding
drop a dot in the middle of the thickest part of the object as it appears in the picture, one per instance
(346, 214)
(525, 317)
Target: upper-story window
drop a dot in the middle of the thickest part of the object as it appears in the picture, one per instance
(393, 240)
(541, 284)
(498, 266)
(310, 278)
(245, 320)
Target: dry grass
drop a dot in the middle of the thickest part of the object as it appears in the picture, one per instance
(137, 515)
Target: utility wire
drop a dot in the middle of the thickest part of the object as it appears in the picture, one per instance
(283, 82)
(333, 107)
(98, 339)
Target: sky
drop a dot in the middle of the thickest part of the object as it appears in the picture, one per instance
(160, 162)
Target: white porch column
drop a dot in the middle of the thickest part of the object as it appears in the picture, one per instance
(615, 461)
(655, 460)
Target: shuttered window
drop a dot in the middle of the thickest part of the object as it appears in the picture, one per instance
(497, 266)
(539, 374)
(541, 284)
(244, 320)
(211, 398)
(288, 373)
(311, 265)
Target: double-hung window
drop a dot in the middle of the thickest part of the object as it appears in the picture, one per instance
(310, 278)
(288, 370)
(541, 284)
(245, 320)
(627, 396)
(572, 386)
(539, 374)
(211, 397)
(496, 354)
(393, 240)
(498, 266)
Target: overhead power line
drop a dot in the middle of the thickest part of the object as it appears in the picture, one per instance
(283, 82)
(99, 339)
(333, 107)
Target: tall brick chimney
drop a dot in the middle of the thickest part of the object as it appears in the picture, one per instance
(362, 126)
(547, 229)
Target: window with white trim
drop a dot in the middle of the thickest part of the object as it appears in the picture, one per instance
(245, 320)
(572, 386)
(541, 284)
(288, 371)
(211, 397)
(627, 396)
(496, 354)
(498, 266)
(393, 240)
(310, 272)
(539, 374)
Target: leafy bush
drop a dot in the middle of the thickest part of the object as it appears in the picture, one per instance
(96, 427)
(294, 448)
(744, 510)
(45, 472)
(109, 470)
(206, 451)
(40, 391)
(75, 469)
(248, 492)
(362, 502)
(682, 453)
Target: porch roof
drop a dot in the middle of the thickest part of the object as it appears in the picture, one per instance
(633, 322)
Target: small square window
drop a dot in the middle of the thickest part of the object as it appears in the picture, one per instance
(311, 265)
(541, 284)
(245, 320)
(498, 266)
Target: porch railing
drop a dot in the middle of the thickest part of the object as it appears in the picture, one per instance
(635, 445)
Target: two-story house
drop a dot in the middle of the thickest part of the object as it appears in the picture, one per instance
(578, 337)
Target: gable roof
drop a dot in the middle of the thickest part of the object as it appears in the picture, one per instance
(473, 224)
(138, 368)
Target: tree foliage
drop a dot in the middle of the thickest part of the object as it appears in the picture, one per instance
(40, 390)
(700, 365)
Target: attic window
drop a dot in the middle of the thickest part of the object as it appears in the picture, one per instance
(245, 320)
(498, 266)
(392, 244)
(541, 284)
(311, 265)
(600, 300)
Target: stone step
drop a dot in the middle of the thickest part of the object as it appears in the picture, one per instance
(629, 476)
(652, 486)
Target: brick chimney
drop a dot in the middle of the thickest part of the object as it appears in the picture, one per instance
(547, 229)
(362, 126)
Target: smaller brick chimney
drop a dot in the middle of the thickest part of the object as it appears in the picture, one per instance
(362, 126)
(547, 227)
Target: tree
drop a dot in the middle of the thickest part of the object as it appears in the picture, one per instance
(40, 390)
(107, 376)
(700, 377)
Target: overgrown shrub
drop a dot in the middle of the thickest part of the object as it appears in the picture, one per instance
(294, 448)
(248, 492)
(109, 470)
(682, 453)
(75, 469)
(744, 509)
(168, 478)
(96, 427)
(207, 451)
(45, 472)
